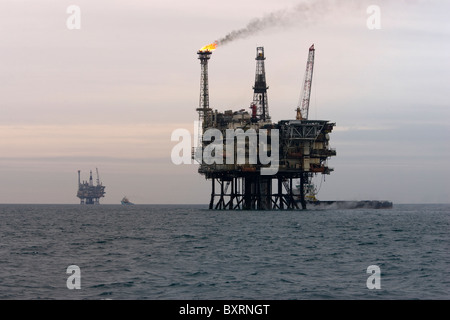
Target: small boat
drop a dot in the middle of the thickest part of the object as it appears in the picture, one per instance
(126, 202)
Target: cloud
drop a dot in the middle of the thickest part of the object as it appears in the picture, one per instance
(362, 128)
(137, 141)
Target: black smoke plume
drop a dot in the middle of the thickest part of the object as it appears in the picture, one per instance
(305, 13)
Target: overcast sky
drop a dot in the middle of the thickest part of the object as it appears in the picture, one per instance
(109, 95)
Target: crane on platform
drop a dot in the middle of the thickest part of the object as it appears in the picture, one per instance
(98, 177)
(303, 105)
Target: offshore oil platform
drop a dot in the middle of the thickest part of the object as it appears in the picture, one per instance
(88, 192)
(299, 148)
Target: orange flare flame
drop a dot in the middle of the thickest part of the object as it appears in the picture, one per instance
(210, 47)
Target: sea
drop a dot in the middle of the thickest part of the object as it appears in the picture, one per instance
(188, 252)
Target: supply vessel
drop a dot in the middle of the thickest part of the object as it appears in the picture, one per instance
(126, 202)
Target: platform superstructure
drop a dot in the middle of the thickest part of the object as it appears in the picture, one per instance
(88, 192)
(298, 148)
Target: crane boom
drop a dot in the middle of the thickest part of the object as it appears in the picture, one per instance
(303, 105)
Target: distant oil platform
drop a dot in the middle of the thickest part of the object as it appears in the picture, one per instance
(88, 192)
